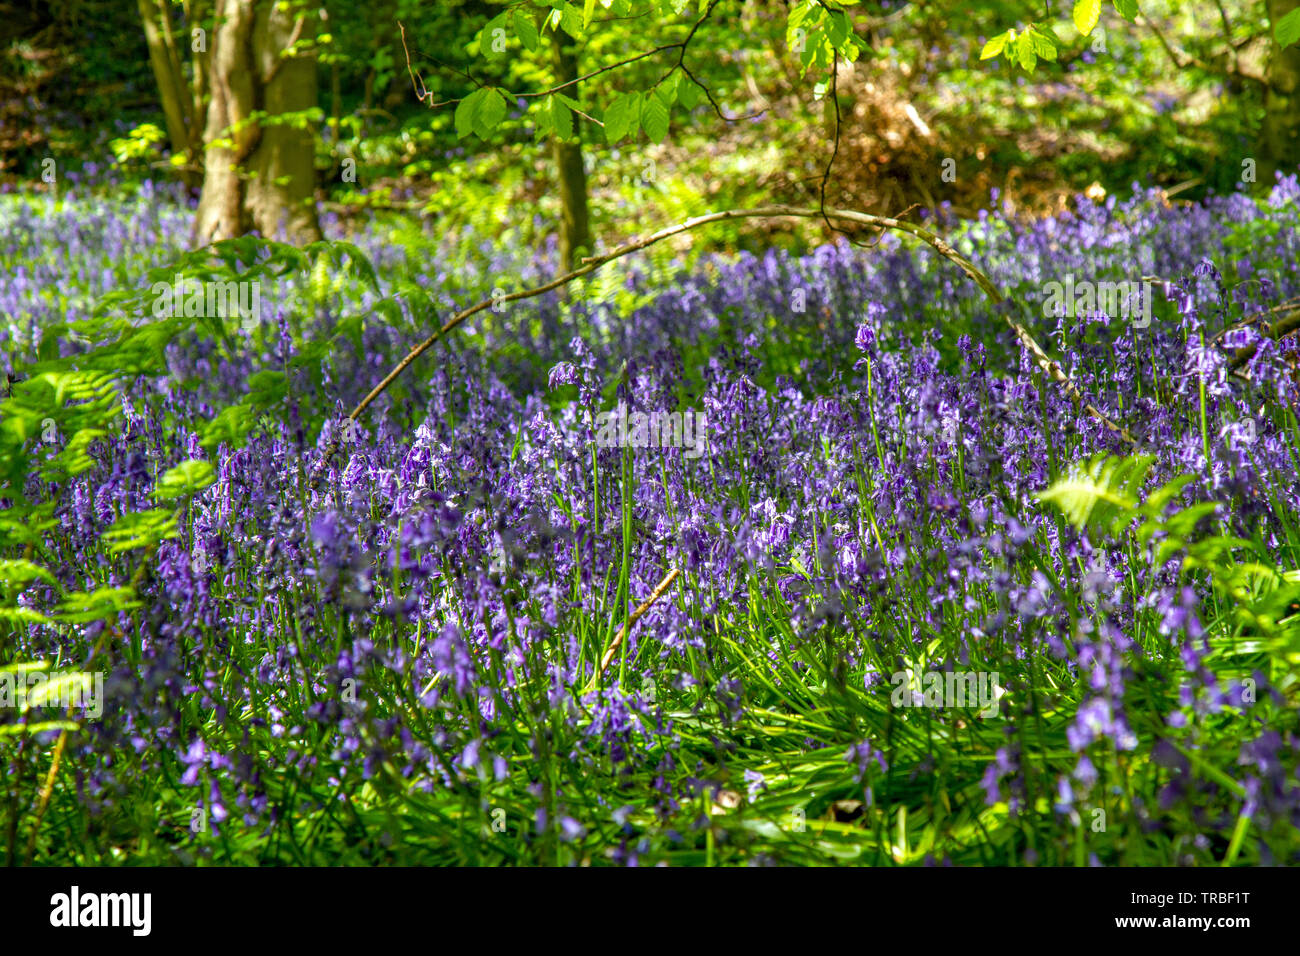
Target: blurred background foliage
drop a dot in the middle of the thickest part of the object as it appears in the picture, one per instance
(1166, 102)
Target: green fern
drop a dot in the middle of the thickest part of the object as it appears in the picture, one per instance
(1101, 492)
(1258, 626)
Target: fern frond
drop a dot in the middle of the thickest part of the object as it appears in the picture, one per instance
(1100, 492)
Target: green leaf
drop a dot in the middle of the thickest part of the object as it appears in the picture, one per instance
(797, 16)
(543, 122)
(621, 116)
(838, 28)
(480, 112)
(48, 350)
(654, 118)
(187, 478)
(465, 112)
(1128, 9)
(1184, 522)
(75, 457)
(97, 605)
(1101, 491)
(1025, 51)
(995, 46)
(490, 114)
(9, 730)
(1043, 44)
(688, 94)
(571, 21)
(1287, 30)
(19, 571)
(561, 118)
(23, 615)
(1158, 499)
(71, 685)
(488, 37)
(231, 425)
(525, 29)
(348, 257)
(22, 667)
(140, 529)
(667, 90)
(815, 50)
(1086, 15)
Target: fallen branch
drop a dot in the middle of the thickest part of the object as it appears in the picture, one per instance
(1289, 309)
(610, 652)
(1283, 326)
(592, 263)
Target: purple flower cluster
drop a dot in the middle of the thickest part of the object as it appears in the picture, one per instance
(428, 614)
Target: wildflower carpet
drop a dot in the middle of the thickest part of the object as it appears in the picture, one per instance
(921, 605)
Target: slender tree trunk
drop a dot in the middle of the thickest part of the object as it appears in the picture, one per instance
(575, 221)
(258, 176)
(1280, 138)
(196, 15)
(177, 105)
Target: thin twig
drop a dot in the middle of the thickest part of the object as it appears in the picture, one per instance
(708, 94)
(422, 92)
(835, 146)
(1181, 187)
(612, 651)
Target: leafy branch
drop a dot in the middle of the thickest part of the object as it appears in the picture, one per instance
(1025, 47)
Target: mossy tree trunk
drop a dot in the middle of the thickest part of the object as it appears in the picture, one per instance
(1280, 139)
(575, 221)
(259, 175)
(182, 104)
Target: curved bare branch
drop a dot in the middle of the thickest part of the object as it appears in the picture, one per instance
(1048, 365)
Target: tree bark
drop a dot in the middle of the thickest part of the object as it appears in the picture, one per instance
(259, 176)
(177, 105)
(196, 15)
(575, 220)
(1280, 139)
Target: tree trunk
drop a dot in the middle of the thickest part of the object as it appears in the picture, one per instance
(177, 105)
(1280, 138)
(259, 177)
(575, 222)
(196, 16)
